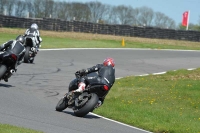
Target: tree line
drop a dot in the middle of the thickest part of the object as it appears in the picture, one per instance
(93, 11)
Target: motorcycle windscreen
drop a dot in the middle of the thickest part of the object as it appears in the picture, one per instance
(17, 48)
(73, 85)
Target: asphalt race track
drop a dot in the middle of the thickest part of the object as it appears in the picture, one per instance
(29, 98)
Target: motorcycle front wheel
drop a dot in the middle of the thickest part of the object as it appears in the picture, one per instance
(3, 69)
(61, 105)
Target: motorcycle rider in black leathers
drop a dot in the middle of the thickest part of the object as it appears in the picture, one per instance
(106, 76)
(34, 32)
(17, 48)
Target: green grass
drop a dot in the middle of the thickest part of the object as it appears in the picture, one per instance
(55, 42)
(168, 103)
(81, 40)
(5, 128)
(50, 42)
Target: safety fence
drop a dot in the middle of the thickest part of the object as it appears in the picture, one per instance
(88, 27)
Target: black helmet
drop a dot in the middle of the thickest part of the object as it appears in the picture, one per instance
(21, 39)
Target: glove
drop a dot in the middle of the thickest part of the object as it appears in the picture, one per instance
(40, 39)
(98, 104)
(82, 72)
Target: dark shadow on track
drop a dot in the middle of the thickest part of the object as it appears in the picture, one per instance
(6, 85)
(88, 116)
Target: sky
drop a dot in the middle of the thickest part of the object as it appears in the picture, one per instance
(171, 8)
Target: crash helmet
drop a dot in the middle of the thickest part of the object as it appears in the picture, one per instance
(109, 61)
(34, 26)
(21, 39)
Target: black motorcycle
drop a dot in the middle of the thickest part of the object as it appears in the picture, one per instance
(82, 103)
(8, 61)
(30, 50)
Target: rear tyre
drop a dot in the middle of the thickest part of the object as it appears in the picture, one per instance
(3, 69)
(61, 105)
(27, 55)
(88, 107)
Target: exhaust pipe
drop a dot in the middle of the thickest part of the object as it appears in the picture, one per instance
(12, 71)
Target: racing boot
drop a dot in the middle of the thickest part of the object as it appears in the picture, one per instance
(35, 50)
(81, 87)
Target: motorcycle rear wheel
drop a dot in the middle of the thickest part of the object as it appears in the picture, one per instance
(27, 56)
(3, 69)
(61, 105)
(88, 107)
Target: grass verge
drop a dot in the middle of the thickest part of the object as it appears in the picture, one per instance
(52, 39)
(5, 128)
(167, 103)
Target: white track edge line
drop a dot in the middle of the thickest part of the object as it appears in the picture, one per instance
(120, 123)
(118, 49)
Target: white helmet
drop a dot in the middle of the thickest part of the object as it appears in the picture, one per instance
(34, 26)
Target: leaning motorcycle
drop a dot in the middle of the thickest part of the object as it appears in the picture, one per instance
(8, 62)
(31, 51)
(85, 102)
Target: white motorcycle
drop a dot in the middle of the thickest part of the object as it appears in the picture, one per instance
(31, 49)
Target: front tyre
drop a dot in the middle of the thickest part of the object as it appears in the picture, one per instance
(3, 69)
(88, 107)
(61, 105)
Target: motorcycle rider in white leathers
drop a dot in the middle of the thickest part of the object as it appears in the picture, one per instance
(34, 32)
